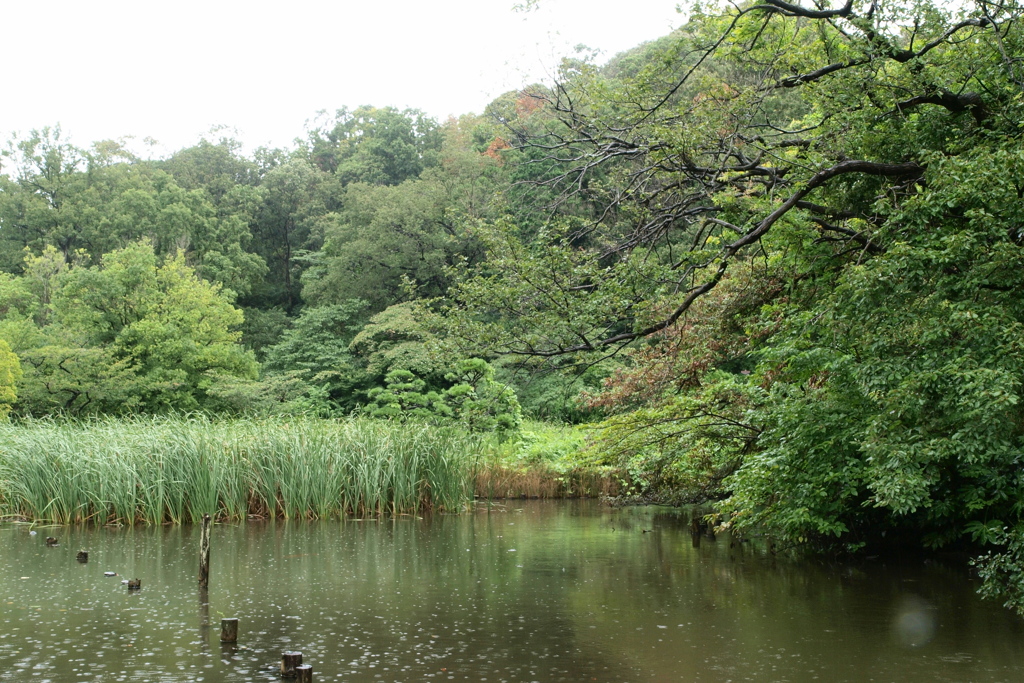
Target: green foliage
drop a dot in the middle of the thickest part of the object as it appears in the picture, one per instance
(376, 146)
(262, 328)
(89, 204)
(553, 392)
(217, 168)
(901, 391)
(291, 203)
(480, 403)
(388, 236)
(472, 398)
(382, 237)
(1002, 572)
(316, 351)
(395, 339)
(129, 334)
(10, 375)
(404, 396)
(544, 443)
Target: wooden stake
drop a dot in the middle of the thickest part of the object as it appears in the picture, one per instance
(304, 673)
(289, 662)
(229, 630)
(204, 553)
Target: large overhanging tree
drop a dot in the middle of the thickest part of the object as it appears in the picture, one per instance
(687, 166)
(804, 225)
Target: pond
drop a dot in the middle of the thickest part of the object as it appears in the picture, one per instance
(526, 591)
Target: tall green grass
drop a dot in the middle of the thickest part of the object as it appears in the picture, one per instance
(175, 469)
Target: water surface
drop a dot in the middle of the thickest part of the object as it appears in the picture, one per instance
(533, 591)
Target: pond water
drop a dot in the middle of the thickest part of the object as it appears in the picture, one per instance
(530, 591)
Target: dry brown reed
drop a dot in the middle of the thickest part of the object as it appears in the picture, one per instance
(498, 480)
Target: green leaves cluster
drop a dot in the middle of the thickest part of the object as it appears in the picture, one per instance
(472, 398)
(132, 333)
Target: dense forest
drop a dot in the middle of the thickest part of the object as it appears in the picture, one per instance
(774, 261)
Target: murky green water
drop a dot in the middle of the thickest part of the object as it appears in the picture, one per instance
(564, 591)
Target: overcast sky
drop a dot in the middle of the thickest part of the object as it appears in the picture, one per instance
(172, 70)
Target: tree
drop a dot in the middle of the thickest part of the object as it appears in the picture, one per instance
(384, 237)
(216, 168)
(94, 202)
(34, 199)
(286, 226)
(404, 395)
(869, 388)
(316, 350)
(473, 399)
(131, 334)
(375, 146)
(479, 402)
(396, 339)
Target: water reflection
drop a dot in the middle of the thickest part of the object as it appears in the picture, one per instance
(538, 591)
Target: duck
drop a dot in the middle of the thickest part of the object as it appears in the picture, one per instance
(52, 542)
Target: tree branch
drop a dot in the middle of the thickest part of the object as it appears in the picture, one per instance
(730, 250)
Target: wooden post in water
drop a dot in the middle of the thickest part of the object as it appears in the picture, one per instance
(289, 662)
(304, 673)
(229, 630)
(204, 553)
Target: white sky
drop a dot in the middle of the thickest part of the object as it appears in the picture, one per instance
(171, 70)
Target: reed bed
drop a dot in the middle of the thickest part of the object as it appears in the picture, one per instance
(499, 480)
(160, 470)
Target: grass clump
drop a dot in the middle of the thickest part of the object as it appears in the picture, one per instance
(175, 469)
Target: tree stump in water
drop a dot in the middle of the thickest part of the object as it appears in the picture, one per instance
(204, 553)
(289, 662)
(229, 630)
(304, 673)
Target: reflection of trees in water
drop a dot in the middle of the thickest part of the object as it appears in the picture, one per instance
(481, 593)
(585, 591)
